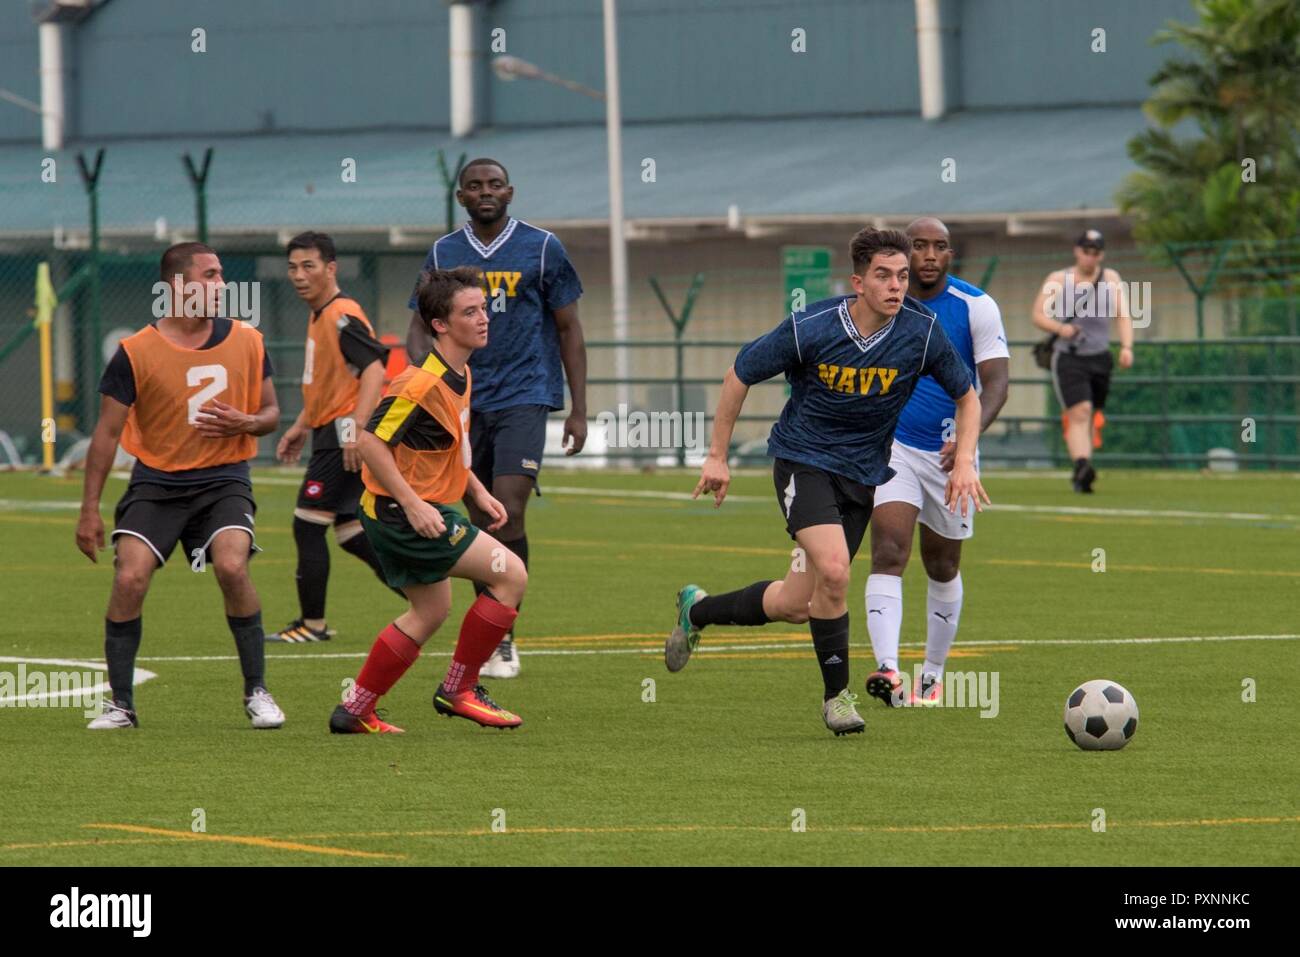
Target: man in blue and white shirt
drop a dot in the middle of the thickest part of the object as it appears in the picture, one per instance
(922, 457)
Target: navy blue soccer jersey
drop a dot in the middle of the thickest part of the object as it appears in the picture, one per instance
(846, 391)
(527, 271)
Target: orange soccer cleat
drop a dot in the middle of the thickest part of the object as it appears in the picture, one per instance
(474, 705)
(343, 721)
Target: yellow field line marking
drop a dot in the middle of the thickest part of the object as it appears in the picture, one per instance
(829, 829)
(905, 655)
(247, 840)
(658, 637)
(1145, 568)
(622, 502)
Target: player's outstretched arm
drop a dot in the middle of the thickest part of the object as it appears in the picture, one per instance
(99, 459)
(1123, 320)
(424, 518)
(289, 449)
(994, 375)
(963, 481)
(1040, 315)
(715, 476)
(573, 356)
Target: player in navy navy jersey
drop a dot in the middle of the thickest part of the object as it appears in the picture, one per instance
(921, 456)
(535, 342)
(852, 363)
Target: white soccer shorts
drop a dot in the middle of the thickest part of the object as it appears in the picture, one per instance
(919, 480)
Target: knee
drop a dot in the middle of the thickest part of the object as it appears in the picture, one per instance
(889, 556)
(941, 568)
(1080, 413)
(513, 529)
(794, 612)
(231, 572)
(797, 616)
(833, 578)
(131, 584)
(432, 621)
(517, 579)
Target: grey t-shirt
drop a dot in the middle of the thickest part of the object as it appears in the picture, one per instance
(1091, 307)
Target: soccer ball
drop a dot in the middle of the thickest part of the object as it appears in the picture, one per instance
(1100, 716)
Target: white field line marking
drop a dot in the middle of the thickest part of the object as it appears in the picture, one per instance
(141, 676)
(704, 649)
(38, 505)
(44, 505)
(1046, 509)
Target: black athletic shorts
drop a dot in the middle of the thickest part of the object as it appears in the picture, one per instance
(328, 486)
(190, 514)
(507, 441)
(1082, 378)
(812, 496)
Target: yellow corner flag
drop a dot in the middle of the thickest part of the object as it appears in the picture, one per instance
(46, 302)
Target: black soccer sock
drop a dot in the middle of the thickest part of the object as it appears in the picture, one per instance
(313, 573)
(1079, 466)
(249, 642)
(359, 545)
(520, 547)
(741, 607)
(121, 642)
(831, 643)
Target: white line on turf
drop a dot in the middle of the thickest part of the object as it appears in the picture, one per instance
(704, 649)
(51, 505)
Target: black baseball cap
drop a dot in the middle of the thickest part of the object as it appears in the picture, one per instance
(1091, 237)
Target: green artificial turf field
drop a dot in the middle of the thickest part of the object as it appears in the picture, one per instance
(730, 756)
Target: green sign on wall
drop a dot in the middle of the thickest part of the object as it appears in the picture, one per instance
(806, 268)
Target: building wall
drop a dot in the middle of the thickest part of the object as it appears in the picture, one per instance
(715, 58)
(19, 72)
(1028, 53)
(292, 65)
(317, 65)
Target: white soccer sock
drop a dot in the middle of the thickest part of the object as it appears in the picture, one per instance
(942, 613)
(885, 617)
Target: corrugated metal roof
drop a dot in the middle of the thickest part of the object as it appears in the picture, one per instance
(1005, 162)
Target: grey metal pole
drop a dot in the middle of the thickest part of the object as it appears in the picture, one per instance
(617, 237)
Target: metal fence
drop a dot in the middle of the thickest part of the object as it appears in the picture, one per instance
(1185, 397)
(1230, 403)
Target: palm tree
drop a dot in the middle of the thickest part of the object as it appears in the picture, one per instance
(1192, 200)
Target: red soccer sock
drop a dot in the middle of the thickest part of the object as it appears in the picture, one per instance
(486, 623)
(392, 653)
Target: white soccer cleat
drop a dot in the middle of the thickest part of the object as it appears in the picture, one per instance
(841, 714)
(113, 716)
(504, 662)
(263, 710)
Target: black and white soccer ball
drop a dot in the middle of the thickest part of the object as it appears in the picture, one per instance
(1100, 715)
